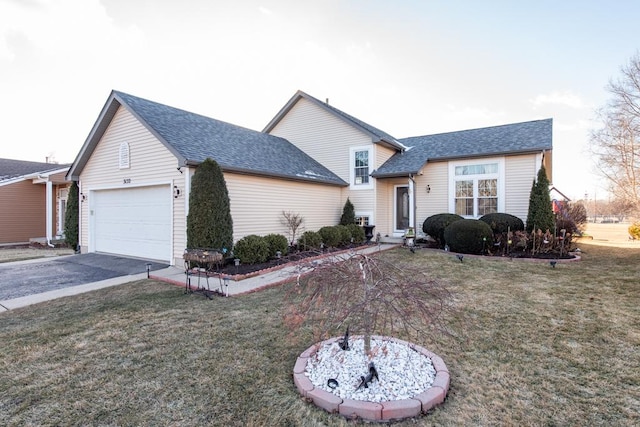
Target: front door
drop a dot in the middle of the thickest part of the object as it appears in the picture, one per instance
(401, 210)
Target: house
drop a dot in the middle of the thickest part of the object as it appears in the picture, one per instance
(33, 199)
(135, 167)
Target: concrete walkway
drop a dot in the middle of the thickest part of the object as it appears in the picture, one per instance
(176, 276)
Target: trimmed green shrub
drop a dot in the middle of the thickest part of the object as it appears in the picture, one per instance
(344, 234)
(634, 231)
(540, 215)
(209, 223)
(310, 240)
(276, 242)
(435, 225)
(348, 213)
(503, 222)
(468, 236)
(71, 222)
(330, 236)
(357, 233)
(251, 249)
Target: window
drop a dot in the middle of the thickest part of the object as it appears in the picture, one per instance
(360, 167)
(361, 171)
(476, 187)
(364, 218)
(464, 198)
(123, 159)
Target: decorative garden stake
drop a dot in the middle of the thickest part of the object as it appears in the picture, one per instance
(344, 342)
(364, 381)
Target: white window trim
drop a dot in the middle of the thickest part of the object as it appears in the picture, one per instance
(124, 155)
(352, 163)
(500, 176)
(366, 213)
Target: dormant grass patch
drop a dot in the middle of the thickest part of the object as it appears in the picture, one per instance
(527, 344)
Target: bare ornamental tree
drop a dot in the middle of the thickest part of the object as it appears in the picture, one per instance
(368, 294)
(616, 144)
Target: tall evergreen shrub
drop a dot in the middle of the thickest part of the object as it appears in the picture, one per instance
(348, 213)
(71, 220)
(209, 222)
(540, 213)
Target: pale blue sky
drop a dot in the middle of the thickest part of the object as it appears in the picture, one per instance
(407, 67)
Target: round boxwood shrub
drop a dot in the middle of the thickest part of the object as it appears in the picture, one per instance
(468, 236)
(330, 236)
(357, 233)
(435, 225)
(277, 242)
(252, 249)
(344, 234)
(310, 240)
(503, 222)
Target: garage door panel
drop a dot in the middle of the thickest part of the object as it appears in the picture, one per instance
(133, 221)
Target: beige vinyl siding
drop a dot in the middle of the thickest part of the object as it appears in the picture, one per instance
(151, 163)
(437, 200)
(520, 172)
(382, 154)
(385, 207)
(22, 212)
(363, 200)
(257, 204)
(321, 135)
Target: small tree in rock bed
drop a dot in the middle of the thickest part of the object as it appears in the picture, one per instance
(71, 222)
(369, 295)
(540, 214)
(209, 223)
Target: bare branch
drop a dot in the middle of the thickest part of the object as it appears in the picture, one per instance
(370, 295)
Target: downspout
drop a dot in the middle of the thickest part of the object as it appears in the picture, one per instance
(79, 245)
(49, 210)
(412, 203)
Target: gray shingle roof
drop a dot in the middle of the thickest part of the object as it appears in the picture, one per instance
(527, 137)
(193, 138)
(10, 168)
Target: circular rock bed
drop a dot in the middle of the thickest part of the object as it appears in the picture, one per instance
(411, 379)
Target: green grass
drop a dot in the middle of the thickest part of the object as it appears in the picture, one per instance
(529, 345)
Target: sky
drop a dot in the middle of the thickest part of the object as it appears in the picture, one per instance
(406, 67)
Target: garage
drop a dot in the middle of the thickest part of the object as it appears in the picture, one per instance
(132, 221)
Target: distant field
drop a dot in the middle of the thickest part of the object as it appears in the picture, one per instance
(611, 235)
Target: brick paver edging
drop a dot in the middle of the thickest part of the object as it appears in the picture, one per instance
(394, 410)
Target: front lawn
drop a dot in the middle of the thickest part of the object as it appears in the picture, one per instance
(529, 345)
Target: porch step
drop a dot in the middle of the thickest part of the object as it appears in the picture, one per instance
(394, 240)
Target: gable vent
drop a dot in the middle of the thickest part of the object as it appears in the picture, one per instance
(124, 156)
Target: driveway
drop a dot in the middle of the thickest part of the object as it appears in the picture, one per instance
(21, 279)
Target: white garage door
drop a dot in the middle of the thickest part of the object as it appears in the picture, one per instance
(133, 221)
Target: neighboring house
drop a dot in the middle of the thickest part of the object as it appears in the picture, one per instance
(33, 199)
(135, 168)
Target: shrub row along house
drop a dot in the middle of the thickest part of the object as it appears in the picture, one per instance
(135, 167)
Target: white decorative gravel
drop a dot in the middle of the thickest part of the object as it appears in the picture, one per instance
(402, 371)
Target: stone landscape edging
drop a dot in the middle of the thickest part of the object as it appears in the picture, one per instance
(393, 410)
